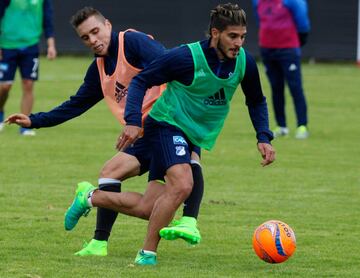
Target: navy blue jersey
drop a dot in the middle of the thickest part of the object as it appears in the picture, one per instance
(177, 64)
(140, 50)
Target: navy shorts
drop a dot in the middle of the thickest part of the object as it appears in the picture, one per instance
(142, 151)
(161, 147)
(27, 59)
(197, 150)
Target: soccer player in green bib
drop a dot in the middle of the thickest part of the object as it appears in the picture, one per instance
(21, 24)
(201, 79)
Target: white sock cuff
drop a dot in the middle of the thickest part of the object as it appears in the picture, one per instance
(89, 199)
(149, 252)
(108, 181)
(193, 161)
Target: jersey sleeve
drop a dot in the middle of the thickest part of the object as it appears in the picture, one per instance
(256, 101)
(86, 97)
(299, 11)
(48, 25)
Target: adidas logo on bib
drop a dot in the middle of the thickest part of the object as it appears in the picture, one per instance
(201, 73)
(217, 99)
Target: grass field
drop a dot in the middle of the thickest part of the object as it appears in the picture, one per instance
(313, 186)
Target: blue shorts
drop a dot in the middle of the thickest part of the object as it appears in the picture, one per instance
(27, 59)
(143, 154)
(161, 147)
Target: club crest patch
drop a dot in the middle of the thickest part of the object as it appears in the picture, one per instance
(180, 150)
(4, 67)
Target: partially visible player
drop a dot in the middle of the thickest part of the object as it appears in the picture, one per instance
(119, 57)
(283, 29)
(21, 25)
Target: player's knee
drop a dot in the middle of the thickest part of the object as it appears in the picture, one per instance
(110, 169)
(183, 189)
(187, 189)
(187, 185)
(121, 167)
(5, 89)
(145, 213)
(28, 86)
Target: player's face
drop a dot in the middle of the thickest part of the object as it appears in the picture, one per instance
(229, 41)
(95, 34)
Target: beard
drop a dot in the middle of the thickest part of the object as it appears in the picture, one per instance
(220, 46)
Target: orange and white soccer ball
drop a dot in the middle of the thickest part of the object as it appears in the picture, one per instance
(274, 241)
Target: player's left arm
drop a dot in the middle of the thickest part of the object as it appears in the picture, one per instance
(49, 29)
(257, 107)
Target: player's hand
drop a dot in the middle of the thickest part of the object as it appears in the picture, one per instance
(51, 53)
(19, 119)
(267, 152)
(129, 135)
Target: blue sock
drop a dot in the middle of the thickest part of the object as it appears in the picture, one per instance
(1, 116)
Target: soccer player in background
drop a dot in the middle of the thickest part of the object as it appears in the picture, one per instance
(201, 79)
(118, 57)
(283, 28)
(21, 25)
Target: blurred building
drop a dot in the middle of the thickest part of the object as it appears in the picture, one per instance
(333, 36)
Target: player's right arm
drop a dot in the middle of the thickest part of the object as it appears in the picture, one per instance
(257, 107)
(87, 96)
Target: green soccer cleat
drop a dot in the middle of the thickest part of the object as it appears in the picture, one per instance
(302, 132)
(93, 248)
(143, 258)
(174, 222)
(280, 131)
(185, 229)
(80, 206)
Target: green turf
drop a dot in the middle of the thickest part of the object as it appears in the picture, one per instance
(313, 186)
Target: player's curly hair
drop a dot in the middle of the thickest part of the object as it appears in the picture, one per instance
(225, 15)
(81, 15)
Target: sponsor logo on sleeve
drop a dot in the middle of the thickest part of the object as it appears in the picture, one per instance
(179, 140)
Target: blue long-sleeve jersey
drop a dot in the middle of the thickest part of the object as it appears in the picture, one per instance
(140, 50)
(48, 26)
(177, 64)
